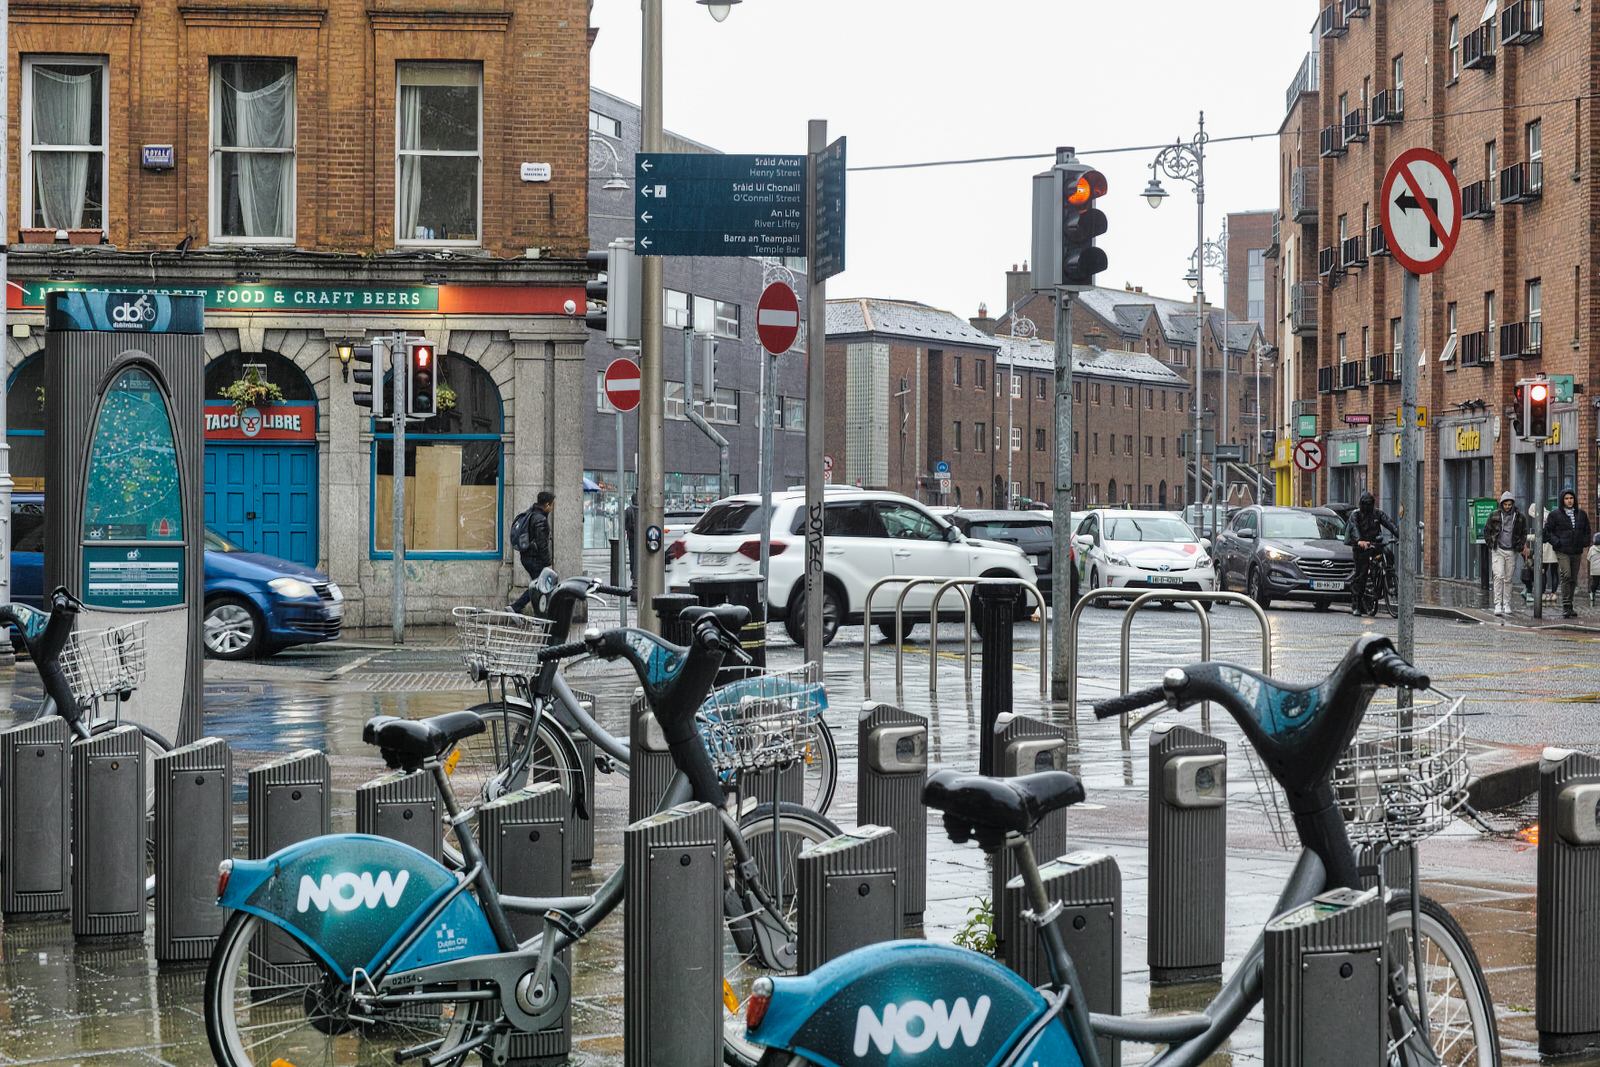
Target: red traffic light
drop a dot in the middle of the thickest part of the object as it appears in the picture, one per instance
(1088, 186)
(1539, 392)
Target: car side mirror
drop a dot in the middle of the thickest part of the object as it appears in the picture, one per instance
(952, 535)
(1205, 543)
(1247, 535)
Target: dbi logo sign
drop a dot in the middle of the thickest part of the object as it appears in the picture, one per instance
(133, 313)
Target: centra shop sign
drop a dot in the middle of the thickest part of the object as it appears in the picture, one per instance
(1469, 438)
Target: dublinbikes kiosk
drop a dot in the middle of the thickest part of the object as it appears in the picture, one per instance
(124, 514)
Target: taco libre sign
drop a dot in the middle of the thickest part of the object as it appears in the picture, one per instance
(280, 422)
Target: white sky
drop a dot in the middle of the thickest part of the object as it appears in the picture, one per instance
(915, 80)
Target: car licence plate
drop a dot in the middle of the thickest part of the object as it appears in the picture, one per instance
(336, 610)
(1165, 579)
(1327, 586)
(713, 559)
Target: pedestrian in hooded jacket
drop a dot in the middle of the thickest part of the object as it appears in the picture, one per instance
(1506, 533)
(1566, 529)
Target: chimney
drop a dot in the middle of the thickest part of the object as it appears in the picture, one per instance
(983, 322)
(1138, 288)
(1096, 338)
(1019, 285)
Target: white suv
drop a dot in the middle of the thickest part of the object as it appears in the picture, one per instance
(867, 534)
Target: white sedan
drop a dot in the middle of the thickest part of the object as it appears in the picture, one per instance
(1141, 550)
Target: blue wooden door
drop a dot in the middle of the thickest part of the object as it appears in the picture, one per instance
(264, 498)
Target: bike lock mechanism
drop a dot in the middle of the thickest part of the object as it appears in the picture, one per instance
(849, 894)
(1025, 746)
(1567, 971)
(892, 768)
(1324, 1002)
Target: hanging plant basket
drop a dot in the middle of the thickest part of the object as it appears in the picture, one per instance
(444, 398)
(251, 391)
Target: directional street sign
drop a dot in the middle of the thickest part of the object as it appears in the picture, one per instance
(777, 318)
(829, 178)
(1421, 210)
(702, 204)
(622, 384)
(1308, 455)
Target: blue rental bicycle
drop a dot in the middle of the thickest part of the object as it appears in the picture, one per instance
(935, 1005)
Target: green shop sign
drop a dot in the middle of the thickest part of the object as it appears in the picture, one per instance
(1349, 452)
(267, 297)
(1482, 508)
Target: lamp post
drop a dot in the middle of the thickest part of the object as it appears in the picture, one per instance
(1215, 254)
(1187, 162)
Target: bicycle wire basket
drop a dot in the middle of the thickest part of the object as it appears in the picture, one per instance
(500, 643)
(1402, 779)
(104, 663)
(762, 721)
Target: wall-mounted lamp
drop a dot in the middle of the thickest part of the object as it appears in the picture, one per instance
(249, 276)
(345, 350)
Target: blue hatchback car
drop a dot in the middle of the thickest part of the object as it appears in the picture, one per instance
(255, 604)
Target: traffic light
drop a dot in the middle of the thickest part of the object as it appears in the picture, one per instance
(614, 299)
(1081, 223)
(1536, 409)
(370, 376)
(597, 289)
(1519, 410)
(422, 399)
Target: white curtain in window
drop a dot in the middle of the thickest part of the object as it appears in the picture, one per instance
(264, 118)
(410, 191)
(62, 115)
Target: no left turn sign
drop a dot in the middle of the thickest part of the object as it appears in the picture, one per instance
(1308, 455)
(1421, 210)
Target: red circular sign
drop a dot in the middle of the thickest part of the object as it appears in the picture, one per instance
(1421, 210)
(777, 318)
(622, 384)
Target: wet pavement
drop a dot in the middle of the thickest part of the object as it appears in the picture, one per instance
(62, 1002)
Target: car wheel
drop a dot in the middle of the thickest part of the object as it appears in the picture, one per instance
(887, 630)
(1257, 589)
(1094, 583)
(832, 615)
(232, 628)
(1222, 578)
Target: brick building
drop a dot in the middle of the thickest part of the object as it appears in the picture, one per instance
(322, 174)
(1516, 299)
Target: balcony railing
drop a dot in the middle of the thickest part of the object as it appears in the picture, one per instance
(1477, 48)
(1303, 194)
(1326, 379)
(1328, 261)
(1353, 252)
(1477, 201)
(1383, 368)
(1274, 247)
(1303, 304)
(1521, 340)
(1522, 183)
(1474, 349)
(1388, 107)
(1332, 141)
(1522, 22)
(1353, 374)
(1305, 81)
(1357, 9)
(1333, 24)
(1377, 241)
(1355, 126)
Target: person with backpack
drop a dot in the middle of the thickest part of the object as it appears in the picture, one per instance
(530, 536)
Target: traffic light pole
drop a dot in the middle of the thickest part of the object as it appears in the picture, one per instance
(1410, 311)
(1062, 660)
(1536, 561)
(401, 372)
(650, 567)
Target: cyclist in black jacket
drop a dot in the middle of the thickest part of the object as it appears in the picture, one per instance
(1361, 532)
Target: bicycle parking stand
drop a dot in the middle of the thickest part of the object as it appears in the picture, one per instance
(891, 769)
(288, 801)
(849, 894)
(108, 835)
(528, 852)
(1567, 968)
(194, 833)
(1024, 746)
(403, 806)
(35, 841)
(672, 938)
(1325, 1002)
(650, 766)
(1188, 838)
(583, 828)
(1089, 887)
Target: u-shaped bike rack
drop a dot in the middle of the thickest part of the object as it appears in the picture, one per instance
(959, 584)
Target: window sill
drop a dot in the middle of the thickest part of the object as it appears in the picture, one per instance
(402, 247)
(234, 244)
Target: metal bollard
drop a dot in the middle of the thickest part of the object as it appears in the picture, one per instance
(891, 769)
(1089, 887)
(1324, 1001)
(650, 766)
(672, 939)
(668, 607)
(403, 806)
(849, 894)
(1187, 849)
(194, 833)
(1025, 746)
(289, 801)
(996, 604)
(745, 592)
(35, 841)
(1567, 970)
(108, 834)
(583, 828)
(527, 849)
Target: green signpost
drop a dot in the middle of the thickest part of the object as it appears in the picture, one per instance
(1482, 508)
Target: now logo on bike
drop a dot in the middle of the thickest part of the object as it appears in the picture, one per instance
(931, 1022)
(347, 892)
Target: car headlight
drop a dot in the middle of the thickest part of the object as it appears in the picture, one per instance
(1117, 561)
(292, 588)
(1278, 553)
(1202, 563)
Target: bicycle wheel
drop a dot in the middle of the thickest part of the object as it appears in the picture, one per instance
(797, 828)
(819, 766)
(478, 765)
(1461, 1024)
(259, 1013)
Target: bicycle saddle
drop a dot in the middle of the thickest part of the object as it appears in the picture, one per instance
(731, 617)
(987, 809)
(407, 742)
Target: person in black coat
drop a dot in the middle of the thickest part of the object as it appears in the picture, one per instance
(1566, 530)
(539, 553)
(1363, 532)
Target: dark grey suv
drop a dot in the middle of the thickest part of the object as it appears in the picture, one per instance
(1031, 531)
(1279, 553)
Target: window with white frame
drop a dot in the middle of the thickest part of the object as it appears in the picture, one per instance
(720, 317)
(676, 315)
(794, 413)
(674, 400)
(63, 142)
(1535, 298)
(1016, 438)
(724, 406)
(605, 124)
(1535, 142)
(438, 153)
(1488, 317)
(1455, 48)
(252, 149)
(1016, 385)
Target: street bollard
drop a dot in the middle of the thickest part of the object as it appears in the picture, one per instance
(35, 841)
(672, 939)
(995, 606)
(1324, 1001)
(194, 833)
(403, 806)
(583, 827)
(527, 850)
(1089, 887)
(746, 592)
(849, 894)
(1567, 968)
(650, 766)
(108, 834)
(288, 801)
(668, 608)
(1187, 850)
(891, 769)
(1025, 746)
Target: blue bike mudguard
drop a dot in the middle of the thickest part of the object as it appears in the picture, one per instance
(31, 621)
(351, 898)
(905, 1002)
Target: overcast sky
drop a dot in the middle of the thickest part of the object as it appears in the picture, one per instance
(916, 80)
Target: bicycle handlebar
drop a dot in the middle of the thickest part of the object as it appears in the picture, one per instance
(1139, 698)
(563, 651)
(612, 590)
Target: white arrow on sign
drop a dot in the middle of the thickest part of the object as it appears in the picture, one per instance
(644, 242)
(645, 190)
(644, 165)
(645, 217)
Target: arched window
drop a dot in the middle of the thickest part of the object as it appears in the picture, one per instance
(1111, 491)
(25, 425)
(452, 470)
(958, 496)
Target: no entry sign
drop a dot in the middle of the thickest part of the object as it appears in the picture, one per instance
(777, 318)
(622, 384)
(1308, 455)
(1421, 210)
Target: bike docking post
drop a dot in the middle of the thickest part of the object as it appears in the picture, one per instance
(849, 894)
(403, 806)
(1089, 887)
(108, 835)
(891, 769)
(35, 842)
(672, 938)
(289, 801)
(528, 852)
(1024, 746)
(996, 602)
(583, 828)
(194, 833)
(1188, 840)
(1567, 968)
(650, 765)
(1324, 1001)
